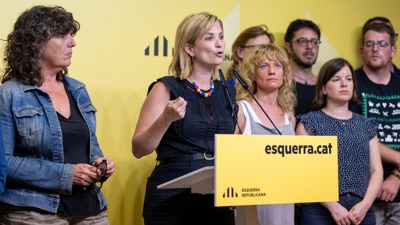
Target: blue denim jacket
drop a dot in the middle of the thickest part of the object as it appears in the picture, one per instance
(32, 138)
(3, 164)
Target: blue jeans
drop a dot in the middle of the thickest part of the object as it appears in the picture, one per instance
(317, 214)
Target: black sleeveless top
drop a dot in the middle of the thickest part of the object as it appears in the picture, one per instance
(204, 118)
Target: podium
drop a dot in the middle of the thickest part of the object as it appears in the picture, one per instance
(201, 181)
(253, 170)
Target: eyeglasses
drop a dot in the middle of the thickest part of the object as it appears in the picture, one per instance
(101, 171)
(304, 42)
(371, 44)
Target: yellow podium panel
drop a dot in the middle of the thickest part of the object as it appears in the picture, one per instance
(273, 169)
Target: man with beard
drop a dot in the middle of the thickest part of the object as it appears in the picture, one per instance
(379, 19)
(379, 93)
(302, 44)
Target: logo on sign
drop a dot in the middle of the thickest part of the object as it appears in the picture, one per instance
(230, 193)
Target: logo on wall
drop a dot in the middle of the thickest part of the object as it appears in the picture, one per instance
(157, 49)
(162, 47)
(230, 193)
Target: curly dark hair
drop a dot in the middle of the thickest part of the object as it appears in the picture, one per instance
(24, 44)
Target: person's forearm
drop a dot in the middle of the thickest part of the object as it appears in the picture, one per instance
(374, 186)
(146, 142)
(329, 205)
(389, 155)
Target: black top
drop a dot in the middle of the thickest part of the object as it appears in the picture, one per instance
(76, 138)
(204, 118)
(396, 70)
(305, 96)
(381, 103)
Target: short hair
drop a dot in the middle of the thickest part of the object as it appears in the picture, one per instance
(247, 69)
(189, 31)
(380, 19)
(298, 25)
(328, 70)
(24, 44)
(380, 28)
(241, 40)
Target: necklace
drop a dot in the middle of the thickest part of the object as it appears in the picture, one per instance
(202, 93)
(305, 80)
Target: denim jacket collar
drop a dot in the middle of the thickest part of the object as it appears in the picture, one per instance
(73, 86)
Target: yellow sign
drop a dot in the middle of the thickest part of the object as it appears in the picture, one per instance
(272, 169)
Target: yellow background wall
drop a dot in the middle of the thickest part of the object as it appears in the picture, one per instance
(109, 58)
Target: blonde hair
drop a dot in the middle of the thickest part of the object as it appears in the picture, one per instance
(189, 31)
(286, 93)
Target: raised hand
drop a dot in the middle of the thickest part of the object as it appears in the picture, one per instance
(175, 109)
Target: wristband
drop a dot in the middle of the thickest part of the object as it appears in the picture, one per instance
(396, 175)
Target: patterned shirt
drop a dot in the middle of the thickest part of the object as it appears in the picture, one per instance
(381, 103)
(353, 136)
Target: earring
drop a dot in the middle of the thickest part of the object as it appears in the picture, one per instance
(192, 57)
(39, 54)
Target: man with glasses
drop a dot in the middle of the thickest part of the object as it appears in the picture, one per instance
(379, 93)
(302, 44)
(385, 20)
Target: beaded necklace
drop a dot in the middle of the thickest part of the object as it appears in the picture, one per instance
(202, 93)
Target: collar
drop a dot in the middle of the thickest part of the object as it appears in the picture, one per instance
(72, 84)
